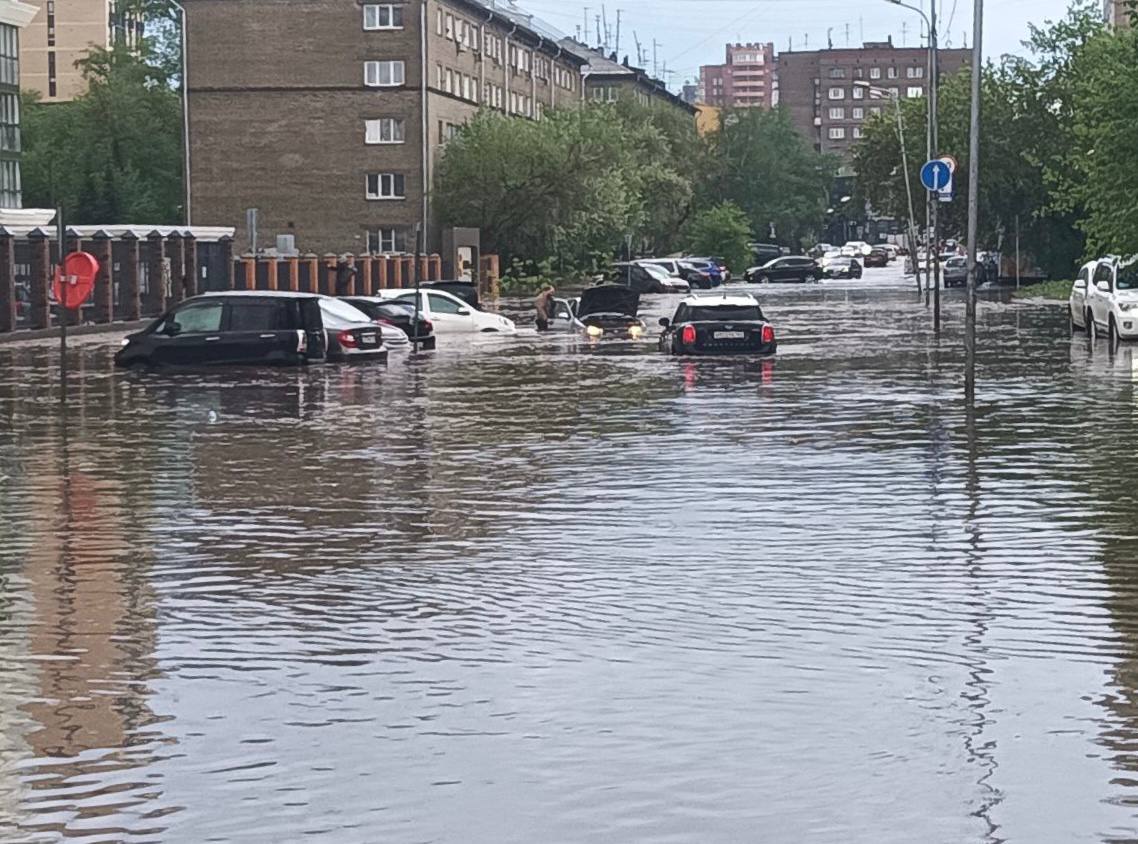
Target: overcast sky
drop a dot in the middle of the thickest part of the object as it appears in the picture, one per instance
(694, 32)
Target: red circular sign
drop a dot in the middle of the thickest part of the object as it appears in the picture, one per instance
(75, 279)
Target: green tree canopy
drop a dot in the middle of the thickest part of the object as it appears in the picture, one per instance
(723, 231)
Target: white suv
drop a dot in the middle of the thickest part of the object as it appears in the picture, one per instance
(1111, 300)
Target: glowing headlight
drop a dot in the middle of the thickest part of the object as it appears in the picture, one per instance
(1128, 306)
(125, 342)
(636, 331)
(594, 331)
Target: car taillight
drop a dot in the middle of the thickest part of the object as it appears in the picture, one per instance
(346, 340)
(301, 342)
(687, 336)
(382, 321)
(428, 326)
(768, 335)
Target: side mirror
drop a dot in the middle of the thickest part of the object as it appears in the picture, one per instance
(1104, 286)
(665, 322)
(464, 311)
(171, 329)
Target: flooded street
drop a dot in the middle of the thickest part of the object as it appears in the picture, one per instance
(528, 589)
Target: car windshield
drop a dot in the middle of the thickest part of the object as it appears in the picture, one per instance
(724, 313)
(343, 311)
(1128, 277)
(844, 262)
(656, 271)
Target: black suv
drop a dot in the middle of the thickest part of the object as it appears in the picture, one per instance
(254, 327)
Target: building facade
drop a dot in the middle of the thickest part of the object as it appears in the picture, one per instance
(607, 80)
(330, 119)
(745, 80)
(14, 16)
(63, 32)
(831, 93)
(1118, 12)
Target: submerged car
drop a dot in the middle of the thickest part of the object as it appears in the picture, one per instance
(353, 335)
(841, 268)
(877, 257)
(451, 315)
(243, 327)
(396, 314)
(713, 325)
(955, 272)
(672, 284)
(788, 268)
(609, 311)
(1111, 300)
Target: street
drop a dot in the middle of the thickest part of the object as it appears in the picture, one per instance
(535, 589)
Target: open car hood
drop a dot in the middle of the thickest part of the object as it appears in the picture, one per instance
(609, 299)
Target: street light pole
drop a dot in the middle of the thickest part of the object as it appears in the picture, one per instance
(973, 202)
(185, 112)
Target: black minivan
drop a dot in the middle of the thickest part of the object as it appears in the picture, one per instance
(250, 327)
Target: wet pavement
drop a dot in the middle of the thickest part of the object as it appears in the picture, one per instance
(531, 590)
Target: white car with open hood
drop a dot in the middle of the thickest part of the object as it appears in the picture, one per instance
(451, 315)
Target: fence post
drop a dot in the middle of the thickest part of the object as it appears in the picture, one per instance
(176, 252)
(7, 281)
(436, 272)
(381, 271)
(104, 281)
(39, 283)
(154, 302)
(190, 265)
(364, 286)
(248, 273)
(397, 273)
(294, 273)
(270, 272)
(227, 259)
(129, 287)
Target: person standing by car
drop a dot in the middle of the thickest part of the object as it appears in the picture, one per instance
(544, 305)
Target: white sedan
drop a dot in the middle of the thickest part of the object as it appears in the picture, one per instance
(451, 315)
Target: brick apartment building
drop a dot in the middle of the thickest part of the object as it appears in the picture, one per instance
(328, 117)
(1117, 12)
(823, 89)
(606, 80)
(64, 31)
(745, 80)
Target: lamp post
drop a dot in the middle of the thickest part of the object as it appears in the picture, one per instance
(881, 92)
(934, 143)
(974, 202)
(185, 111)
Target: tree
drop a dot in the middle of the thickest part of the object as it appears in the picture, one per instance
(723, 231)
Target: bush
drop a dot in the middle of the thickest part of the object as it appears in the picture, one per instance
(724, 232)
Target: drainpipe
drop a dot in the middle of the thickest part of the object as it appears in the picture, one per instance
(426, 121)
(553, 78)
(533, 77)
(509, 70)
(482, 64)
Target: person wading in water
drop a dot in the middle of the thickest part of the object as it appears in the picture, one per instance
(544, 305)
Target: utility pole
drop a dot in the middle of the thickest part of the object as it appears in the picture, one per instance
(600, 32)
(904, 33)
(974, 204)
(655, 63)
(605, 22)
(639, 49)
(934, 200)
(586, 41)
(847, 34)
(619, 12)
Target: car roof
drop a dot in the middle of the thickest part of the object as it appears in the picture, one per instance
(736, 300)
(270, 294)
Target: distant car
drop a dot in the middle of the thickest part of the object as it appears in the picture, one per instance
(672, 284)
(610, 311)
(451, 315)
(821, 249)
(1077, 303)
(877, 258)
(720, 264)
(707, 266)
(396, 314)
(677, 268)
(856, 249)
(247, 327)
(1112, 300)
(841, 268)
(765, 252)
(638, 277)
(352, 335)
(714, 325)
(891, 249)
(789, 268)
(954, 271)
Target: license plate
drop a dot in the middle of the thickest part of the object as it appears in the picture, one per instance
(367, 339)
(730, 335)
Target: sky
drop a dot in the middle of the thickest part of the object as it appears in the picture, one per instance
(691, 33)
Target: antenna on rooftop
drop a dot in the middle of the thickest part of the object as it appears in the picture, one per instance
(639, 50)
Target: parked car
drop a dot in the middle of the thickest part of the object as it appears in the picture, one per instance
(841, 268)
(251, 327)
(451, 315)
(672, 284)
(856, 249)
(892, 250)
(719, 263)
(637, 277)
(954, 271)
(353, 335)
(397, 314)
(790, 268)
(678, 268)
(877, 258)
(564, 316)
(1112, 300)
(610, 311)
(718, 325)
(822, 249)
(765, 252)
(1079, 313)
(706, 267)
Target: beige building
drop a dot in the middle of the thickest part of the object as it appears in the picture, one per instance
(62, 33)
(1117, 12)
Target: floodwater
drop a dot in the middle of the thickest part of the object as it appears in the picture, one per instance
(534, 591)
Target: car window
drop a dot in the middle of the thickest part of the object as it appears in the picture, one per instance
(724, 313)
(343, 311)
(199, 318)
(443, 304)
(1103, 273)
(258, 316)
(1084, 277)
(1128, 278)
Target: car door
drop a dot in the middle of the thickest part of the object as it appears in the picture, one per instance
(1099, 293)
(449, 315)
(258, 331)
(1078, 302)
(190, 335)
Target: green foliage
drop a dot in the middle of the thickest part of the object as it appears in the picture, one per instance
(723, 231)
(112, 155)
(1051, 291)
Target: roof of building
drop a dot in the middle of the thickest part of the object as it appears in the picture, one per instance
(607, 67)
(534, 27)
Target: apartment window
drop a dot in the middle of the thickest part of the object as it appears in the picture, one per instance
(449, 88)
(51, 86)
(10, 124)
(386, 130)
(915, 92)
(439, 21)
(892, 73)
(859, 93)
(837, 93)
(383, 74)
(385, 240)
(9, 55)
(837, 73)
(875, 73)
(859, 114)
(439, 76)
(875, 111)
(837, 133)
(386, 186)
(915, 72)
(858, 133)
(837, 114)
(448, 30)
(859, 73)
(383, 16)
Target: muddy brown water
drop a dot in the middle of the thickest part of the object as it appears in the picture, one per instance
(536, 590)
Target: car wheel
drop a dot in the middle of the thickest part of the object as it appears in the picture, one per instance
(1092, 329)
(1112, 334)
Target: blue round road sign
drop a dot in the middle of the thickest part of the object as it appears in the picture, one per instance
(936, 175)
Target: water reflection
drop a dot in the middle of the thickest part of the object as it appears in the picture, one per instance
(521, 591)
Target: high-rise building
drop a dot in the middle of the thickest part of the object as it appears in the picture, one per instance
(14, 16)
(63, 32)
(831, 93)
(1117, 12)
(331, 122)
(745, 80)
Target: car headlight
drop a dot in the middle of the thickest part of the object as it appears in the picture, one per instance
(1128, 306)
(594, 331)
(636, 331)
(125, 342)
